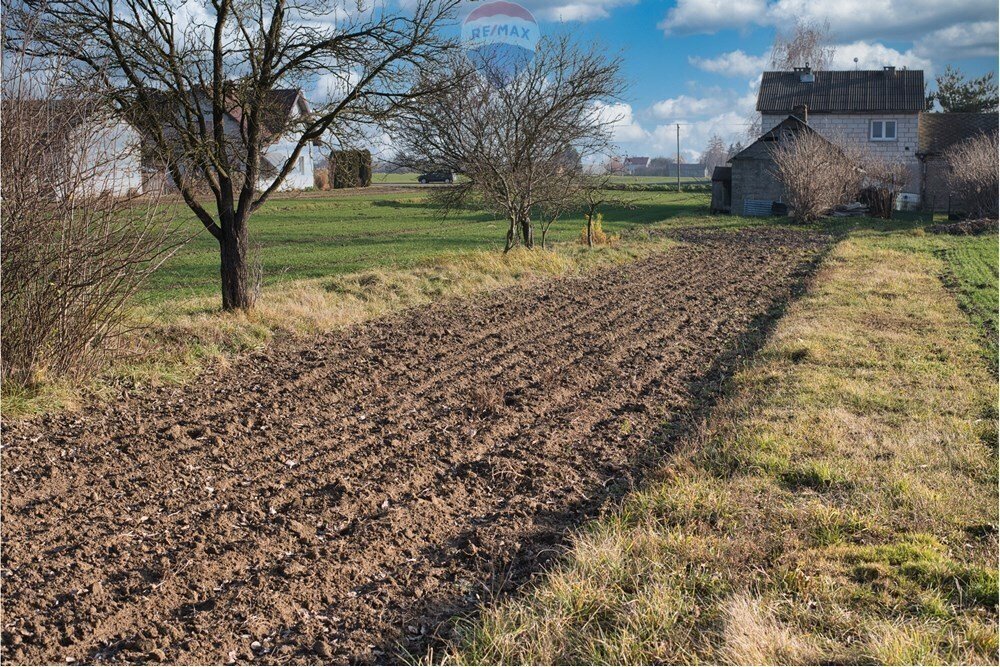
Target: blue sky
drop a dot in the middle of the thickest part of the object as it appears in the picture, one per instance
(697, 62)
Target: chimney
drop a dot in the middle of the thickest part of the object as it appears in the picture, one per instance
(889, 69)
(805, 74)
(801, 111)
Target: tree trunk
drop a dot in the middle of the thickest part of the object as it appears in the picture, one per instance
(511, 235)
(237, 293)
(527, 232)
(590, 230)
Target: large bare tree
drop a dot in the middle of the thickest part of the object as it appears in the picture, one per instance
(517, 138)
(199, 80)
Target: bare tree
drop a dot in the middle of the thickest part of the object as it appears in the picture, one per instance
(510, 143)
(973, 165)
(715, 154)
(816, 175)
(76, 244)
(199, 81)
(808, 43)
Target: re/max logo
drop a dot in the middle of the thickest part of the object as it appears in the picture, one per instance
(500, 30)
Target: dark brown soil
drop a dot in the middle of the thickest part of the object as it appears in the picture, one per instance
(340, 499)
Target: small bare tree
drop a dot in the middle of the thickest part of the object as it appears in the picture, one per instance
(76, 244)
(199, 80)
(509, 134)
(807, 43)
(973, 165)
(816, 174)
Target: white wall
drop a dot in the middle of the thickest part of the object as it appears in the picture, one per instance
(857, 128)
(107, 159)
(301, 175)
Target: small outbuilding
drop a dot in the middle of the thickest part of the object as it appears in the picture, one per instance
(939, 132)
(722, 189)
(755, 188)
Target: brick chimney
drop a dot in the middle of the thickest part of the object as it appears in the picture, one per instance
(801, 111)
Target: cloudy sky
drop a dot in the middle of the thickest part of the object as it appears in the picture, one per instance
(697, 62)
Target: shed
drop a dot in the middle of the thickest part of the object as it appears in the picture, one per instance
(722, 189)
(939, 132)
(755, 187)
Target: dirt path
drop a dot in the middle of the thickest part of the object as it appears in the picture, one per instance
(340, 500)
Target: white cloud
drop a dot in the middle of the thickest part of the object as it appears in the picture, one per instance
(733, 63)
(873, 55)
(567, 10)
(710, 16)
(848, 19)
(620, 115)
(686, 106)
(963, 40)
(662, 140)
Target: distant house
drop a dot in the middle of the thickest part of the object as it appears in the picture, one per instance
(86, 150)
(881, 108)
(939, 132)
(633, 164)
(281, 134)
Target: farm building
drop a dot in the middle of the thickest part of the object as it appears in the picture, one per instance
(722, 189)
(754, 187)
(634, 164)
(938, 133)
(87, 150)
(880, 108)
(282, 129)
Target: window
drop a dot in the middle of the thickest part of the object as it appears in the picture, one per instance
(883, 130)
(302, 165)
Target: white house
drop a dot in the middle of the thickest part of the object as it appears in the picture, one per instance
(881, 108)
(280, 136)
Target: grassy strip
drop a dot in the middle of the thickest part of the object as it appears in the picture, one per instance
(972, 272)
(175, 340)
(841, 505)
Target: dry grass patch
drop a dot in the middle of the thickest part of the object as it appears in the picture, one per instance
(174, 340)
(841, 506)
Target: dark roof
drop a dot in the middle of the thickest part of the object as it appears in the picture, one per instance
(939, 131)
(637, 160)
(792, 125)
(859, 91)
(722, 174)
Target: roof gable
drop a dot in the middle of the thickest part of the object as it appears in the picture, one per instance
(858, 91)
(791, 125)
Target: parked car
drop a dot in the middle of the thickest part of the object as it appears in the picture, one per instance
(436, 177)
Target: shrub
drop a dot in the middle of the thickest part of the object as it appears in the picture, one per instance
(973, 165)
(816, 175)
(73, 253)
(597, 233)
(321, 179)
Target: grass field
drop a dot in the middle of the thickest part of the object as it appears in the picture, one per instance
(316, 236)
(840, 505)
(972, 270)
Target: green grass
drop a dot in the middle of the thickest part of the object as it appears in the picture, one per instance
(314, 236)
(972, 270)
(840, 506)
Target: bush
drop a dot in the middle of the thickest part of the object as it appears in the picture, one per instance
(816, 175)
(321, 179)
(73, 253)
(598, 234)
(350, 169)
(974, 174)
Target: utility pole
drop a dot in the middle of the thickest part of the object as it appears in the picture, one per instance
(678, 157)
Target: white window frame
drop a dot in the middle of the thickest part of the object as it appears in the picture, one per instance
(882, 124)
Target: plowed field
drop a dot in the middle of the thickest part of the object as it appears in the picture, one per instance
(340, 499)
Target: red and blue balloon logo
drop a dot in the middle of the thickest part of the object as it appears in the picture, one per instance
(500, 36)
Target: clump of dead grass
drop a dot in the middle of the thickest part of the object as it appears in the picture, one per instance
(832, 510)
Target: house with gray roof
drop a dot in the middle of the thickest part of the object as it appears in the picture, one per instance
(881, 108)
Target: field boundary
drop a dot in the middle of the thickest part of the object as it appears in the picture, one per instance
(814, 518)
